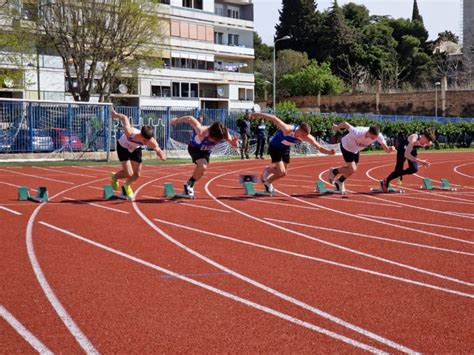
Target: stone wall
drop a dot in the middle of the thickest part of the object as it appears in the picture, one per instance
(457, 103)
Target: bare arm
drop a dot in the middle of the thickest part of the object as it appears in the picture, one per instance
(285, 128)
(233, 141)
(411, 142)
(343, 125)
(153, 144)
(311, 140)
(197, 126)
(125, 122)
(387, 149)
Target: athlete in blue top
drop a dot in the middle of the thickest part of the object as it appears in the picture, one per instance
(203, 140)
(280, 145)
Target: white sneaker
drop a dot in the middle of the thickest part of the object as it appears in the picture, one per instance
(269, 187)
(340, 186)
(265, 175)
(331, 175)
(189, 190)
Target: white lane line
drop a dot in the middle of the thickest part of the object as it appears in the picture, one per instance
(369, 236)
(220, 292)
(11, 211)
(458, 172)
(96, 205)
(231, 187)
(25, 333)
(337, 246)
(283, 204)
(190, 205)
(63, 172)
(433, 199)
(416, 222)
(38, 177)
(323, 261)
(262, 286)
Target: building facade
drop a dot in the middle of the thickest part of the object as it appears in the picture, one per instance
(468, 27)
(207, 52)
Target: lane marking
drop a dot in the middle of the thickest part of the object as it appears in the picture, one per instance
(458, 172)
(220, 292)
(416, 222)
(96, 205)
(11, 211)
(25, 333)
(38, 177)
(368, 236)
(323, 261)
(282, 204)
(190, 205)
(433, 199)
(63, 172)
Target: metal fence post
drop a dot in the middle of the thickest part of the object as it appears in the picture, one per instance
(30, 127)
(168, 127)
(107, 130)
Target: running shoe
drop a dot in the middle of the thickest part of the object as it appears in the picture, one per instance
(340, 186)
(384, 185)
(189, 190)
(331, 175)
(127, 189)
(114, 182)
(269, 187)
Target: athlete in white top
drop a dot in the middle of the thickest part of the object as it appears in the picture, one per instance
(356, 140)
(129, 151)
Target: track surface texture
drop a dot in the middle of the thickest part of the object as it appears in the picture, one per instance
(298, 272)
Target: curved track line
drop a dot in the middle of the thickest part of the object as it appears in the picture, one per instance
(261, 286)
(337, 246)
(458, 172)
(323, 261)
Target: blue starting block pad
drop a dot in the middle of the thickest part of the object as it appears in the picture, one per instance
(249, 188)
(40, 197)
(109, 193)
(445, 185)
(390, 190)
(171, 193)
(248, 178)
(321, 189)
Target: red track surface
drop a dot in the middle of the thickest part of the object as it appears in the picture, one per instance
(298, 272)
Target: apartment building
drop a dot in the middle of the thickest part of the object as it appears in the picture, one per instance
(468, 27)
(207, 53)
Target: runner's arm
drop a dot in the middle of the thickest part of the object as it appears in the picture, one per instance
(311, 140)
(153, 144)
(127, 127)
(343, 125)
(285, 128)
(197, 126)
(408, 149)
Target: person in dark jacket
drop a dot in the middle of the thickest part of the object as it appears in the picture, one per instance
(245, 135)
(261, 136)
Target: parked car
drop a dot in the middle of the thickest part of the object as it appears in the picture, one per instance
(40, 141)
(7, 138)
(67, 140)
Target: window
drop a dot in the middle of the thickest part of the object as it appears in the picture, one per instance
(160, 91)
(249, 94)
(242, 94)
(193, 4)
(219, 9)
(176, 90)
(184, 89)
(233, 40)
(233, 12)
(194, 90)
(218, 38)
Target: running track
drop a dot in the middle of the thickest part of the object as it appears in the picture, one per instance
(224, 273)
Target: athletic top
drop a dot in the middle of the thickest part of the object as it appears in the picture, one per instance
(130, 142)
(356, 140)
(204, 144)
(404, 143)
(261, 130)
(282, 142)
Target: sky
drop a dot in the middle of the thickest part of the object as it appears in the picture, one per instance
(438, 15)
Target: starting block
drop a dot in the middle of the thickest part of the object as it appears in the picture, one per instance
(170, 193)
(41, 194)
(250, 190)
(321, 189)
(248, 178)
(391, 189)
(445, 185)
(109, 193)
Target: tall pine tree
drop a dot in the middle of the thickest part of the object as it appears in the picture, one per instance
(298, 19)
(416, 13)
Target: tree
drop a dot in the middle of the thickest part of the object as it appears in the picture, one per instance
(298, 19)
(99, 40)
(356, 15)
(289, 62)
(416, 13)
(262, 51)
(447, 36)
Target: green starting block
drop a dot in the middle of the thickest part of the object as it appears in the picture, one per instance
(171, 193)
(109, 193)
(248, 178)
(321, 189)
(445, 185)
(41, 194)
(391, 189)
(250, 190)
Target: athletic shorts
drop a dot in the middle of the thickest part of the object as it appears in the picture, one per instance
(197, 154)
(125, 155)
(349, 157)
(279, 155)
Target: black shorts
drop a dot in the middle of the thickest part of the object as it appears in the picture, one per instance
(279, 155)
(125, 155)
(350, 157)
(197, 154)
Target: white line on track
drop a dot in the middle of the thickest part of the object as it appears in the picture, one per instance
(95, 187)
(458, 172)
(262, 286)
(416, 222)
(324, 261)
(369, 237)
(225, 294)
(38, 177)
(283, 204)
(433, 199)
(337, 246)
(25, 333)
(96, 205)
(11, 211)
(179, 203)
(63, 172)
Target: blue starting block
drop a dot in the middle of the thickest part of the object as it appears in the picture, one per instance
(41, 194)
(109, 193)
(171, 193)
